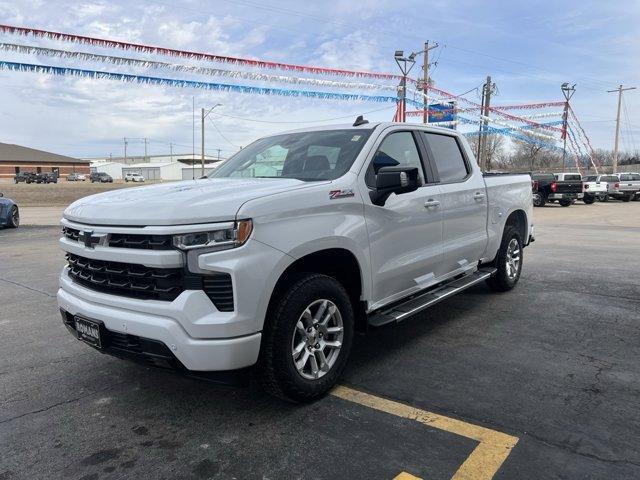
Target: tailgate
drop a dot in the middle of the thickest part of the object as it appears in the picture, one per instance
(569, 187)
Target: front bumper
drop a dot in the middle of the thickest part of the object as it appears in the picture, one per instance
(163, 322)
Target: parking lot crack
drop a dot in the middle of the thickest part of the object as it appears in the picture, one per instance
(27, 287)
(575, 451)
(63, 402)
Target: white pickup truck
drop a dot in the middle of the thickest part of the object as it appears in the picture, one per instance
(287, 249)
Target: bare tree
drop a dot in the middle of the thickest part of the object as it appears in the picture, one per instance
(493, 149)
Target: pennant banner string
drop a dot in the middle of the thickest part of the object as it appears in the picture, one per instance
(102, 42)
(124, 77)
(50, 52)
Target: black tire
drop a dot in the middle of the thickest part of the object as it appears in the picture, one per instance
(539, 200)
(276, 369)
(565, 203)
(588, 199)
(605, 198)
(627, 198)
(502, 281)
(14, 217)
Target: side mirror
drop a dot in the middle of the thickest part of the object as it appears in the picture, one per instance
(1, 194)
(394, 180)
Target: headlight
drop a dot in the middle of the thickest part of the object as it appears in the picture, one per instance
(220, 239)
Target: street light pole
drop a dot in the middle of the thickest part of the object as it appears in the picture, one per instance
(402, 65)
(205, 114)
(568, 92)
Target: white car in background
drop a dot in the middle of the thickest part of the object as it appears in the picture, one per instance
(594, 188)
(630, 184)
(133, 177)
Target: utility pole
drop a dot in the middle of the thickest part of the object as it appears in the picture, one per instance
(171, 151)
(125, 149)
(487, 90)
(568, 92)
(620, 89)
(425, 80)
(218, 155)
(204, 115)
(146, 140)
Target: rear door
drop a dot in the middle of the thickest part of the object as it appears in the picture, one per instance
(464, 202)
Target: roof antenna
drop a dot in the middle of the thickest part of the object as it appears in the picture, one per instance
(360, 121)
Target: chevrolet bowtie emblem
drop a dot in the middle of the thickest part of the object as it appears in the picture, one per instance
(89, 239)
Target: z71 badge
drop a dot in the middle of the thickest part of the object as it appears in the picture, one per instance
(335, 194)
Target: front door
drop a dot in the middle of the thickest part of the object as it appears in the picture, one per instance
(405, 234)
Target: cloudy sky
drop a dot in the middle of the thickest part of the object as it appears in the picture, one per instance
(529, 48)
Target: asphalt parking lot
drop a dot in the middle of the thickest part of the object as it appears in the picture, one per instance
(540, 382)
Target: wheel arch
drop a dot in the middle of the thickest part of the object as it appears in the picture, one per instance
(337, 262)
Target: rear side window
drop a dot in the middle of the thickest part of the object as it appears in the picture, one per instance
(447, 157)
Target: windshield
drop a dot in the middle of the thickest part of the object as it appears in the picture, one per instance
(308, 156)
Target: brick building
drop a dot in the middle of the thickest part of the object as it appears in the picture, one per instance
(15, 158)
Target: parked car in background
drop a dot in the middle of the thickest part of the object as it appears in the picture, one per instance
(51, 177)
(548, 188)
(593, 189)
(100, 177)
(629, 185)
(9, 212)
(353, 227)
(26, 177)
(133, 177)
(76, 177)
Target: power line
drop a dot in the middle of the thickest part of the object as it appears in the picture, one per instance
(222, 134)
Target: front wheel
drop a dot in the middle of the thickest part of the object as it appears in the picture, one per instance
(627, 198)
(307, 338)
(565, 203)
(589, 200)
(508, 261)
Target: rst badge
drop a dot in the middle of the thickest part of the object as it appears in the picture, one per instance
(335, 194)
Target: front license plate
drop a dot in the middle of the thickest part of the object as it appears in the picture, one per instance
(88, 331)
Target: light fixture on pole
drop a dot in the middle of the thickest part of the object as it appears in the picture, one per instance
(204, 115)
(405, 64)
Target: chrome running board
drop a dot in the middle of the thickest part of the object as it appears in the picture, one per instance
(420, 301)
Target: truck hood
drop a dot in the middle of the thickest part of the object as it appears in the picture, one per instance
(179, 203)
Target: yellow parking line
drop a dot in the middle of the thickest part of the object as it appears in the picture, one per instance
(484, 461)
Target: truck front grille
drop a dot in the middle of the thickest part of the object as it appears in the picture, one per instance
(126, 279)
(128, 240)
(139, 281)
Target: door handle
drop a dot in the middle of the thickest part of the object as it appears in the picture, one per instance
(479, 196)
(431, 203)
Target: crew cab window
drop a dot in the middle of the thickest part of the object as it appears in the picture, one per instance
(626, 177)
(447, 157)
(571, 178)
(396, 150)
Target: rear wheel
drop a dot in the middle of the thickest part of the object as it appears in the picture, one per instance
(14, 217)
(589, 199)
(565, 203)
(508, 261)
(627, 198)
(307, 338)
(538, 200)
